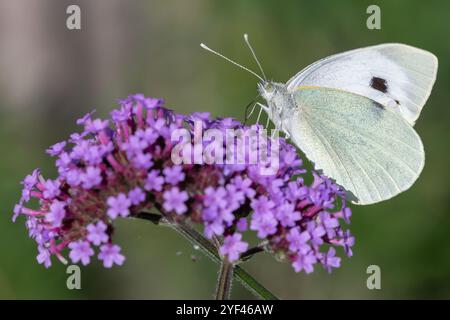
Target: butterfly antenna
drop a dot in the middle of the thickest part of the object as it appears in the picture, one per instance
(233, 62)
(247, 41)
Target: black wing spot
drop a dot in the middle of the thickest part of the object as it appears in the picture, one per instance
(379, 84)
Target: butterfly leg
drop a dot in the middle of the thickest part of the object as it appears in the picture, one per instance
(248, 115)
(251, 111)
(261, 108)
(259, 115)
(286, 133)
(275, 133)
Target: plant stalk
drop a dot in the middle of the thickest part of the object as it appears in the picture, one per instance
(210, 250)
(224, 281)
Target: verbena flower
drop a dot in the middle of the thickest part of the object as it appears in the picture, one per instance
(123, 166)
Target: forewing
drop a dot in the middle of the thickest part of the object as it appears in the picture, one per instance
(372, 152)
(395, 75)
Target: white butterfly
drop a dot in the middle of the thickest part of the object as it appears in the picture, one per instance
(352, 114)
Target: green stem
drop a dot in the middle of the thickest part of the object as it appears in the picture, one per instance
(250, 253)
(210, 250)
(224, 281)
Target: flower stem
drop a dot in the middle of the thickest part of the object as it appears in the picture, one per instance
(250, 253)
(224, 281)
(210, 250)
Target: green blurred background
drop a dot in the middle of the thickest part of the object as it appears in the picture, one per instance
(49, 76)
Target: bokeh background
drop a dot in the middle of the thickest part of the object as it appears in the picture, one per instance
(50, 76)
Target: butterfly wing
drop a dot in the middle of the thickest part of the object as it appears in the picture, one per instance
(395, 75)
(371, 151)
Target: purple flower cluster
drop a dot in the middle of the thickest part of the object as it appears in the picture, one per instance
(121, 167)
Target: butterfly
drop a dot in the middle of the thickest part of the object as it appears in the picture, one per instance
(352, 114)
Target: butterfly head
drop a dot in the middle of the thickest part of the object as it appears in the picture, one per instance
(267, 90)
(272, 92)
